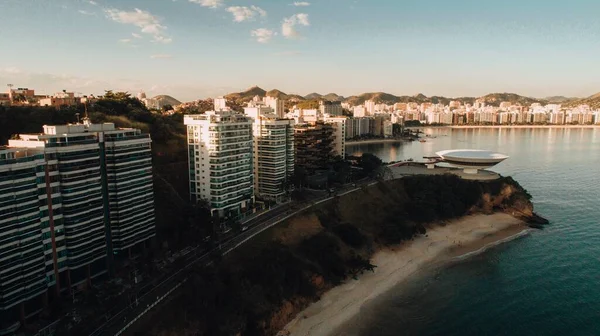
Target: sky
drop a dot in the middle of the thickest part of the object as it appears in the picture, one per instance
(193, 49)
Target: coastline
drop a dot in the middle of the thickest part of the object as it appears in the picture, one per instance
(456, 240)
(372, 141)
(518, 126)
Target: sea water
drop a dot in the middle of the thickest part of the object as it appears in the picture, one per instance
(544, 283)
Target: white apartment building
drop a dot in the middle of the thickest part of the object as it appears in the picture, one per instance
(273, 156)
(220, 104)
(340, 125)
(369, 107)
(359, 112)
(278, 105)
(220, 161)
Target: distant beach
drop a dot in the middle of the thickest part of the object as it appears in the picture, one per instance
(457, 239)
(372, 141)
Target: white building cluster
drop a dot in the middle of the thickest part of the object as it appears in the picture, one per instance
(455, 113)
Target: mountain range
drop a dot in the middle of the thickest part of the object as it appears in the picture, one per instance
(493, 99)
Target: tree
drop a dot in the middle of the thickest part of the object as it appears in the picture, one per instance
(370, 163)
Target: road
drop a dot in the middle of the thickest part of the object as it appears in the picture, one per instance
(150, 296)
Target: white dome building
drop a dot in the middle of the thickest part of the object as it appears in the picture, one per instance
(470, 160)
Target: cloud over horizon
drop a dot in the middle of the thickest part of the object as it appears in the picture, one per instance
(144, 20)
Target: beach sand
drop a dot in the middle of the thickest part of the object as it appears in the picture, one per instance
(456, 239)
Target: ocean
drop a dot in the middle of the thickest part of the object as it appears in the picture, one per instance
(544, 283)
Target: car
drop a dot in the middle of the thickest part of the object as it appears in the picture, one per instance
(244, 228)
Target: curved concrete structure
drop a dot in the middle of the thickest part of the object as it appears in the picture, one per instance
(471, 160)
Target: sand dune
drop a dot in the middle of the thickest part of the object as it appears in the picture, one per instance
(459, 238)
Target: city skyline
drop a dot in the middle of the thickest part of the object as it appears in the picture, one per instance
(193, 49)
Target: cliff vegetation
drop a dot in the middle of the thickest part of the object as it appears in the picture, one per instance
(260, 287)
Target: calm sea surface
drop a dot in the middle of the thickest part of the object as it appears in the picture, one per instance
(546, 283)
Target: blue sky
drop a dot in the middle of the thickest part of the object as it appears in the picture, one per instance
(198, 48)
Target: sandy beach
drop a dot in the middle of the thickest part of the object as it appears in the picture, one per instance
(457, 239)
(373, 141)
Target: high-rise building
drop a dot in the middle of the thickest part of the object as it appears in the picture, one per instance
(314, 144)
(369, 107)
(220, 161)
(26, 241)
(278, 105)
(94, 194)
(273, 144)
(340, 125)
(220, 104)
(331, 108)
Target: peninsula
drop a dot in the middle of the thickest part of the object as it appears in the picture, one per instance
(378, 235)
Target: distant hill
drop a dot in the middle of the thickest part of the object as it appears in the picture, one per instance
(559, 99)
(381, 97)
(313, 95)
(332, 97)
(495, 99)
(167, 100)
(593, 101)
(247, 95)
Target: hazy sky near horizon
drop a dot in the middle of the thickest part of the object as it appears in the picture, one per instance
(199, 48)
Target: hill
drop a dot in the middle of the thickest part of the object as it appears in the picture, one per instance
(559, 99)
(382, 97)
(495, 99)
(247, 95)
(167, 100)
(593, 101)
(332, 97)
(313, 95)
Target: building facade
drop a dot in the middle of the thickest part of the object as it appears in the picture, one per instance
(273, 142)
(94, 196)
(220, 161)
(340, 126)
(314, 144)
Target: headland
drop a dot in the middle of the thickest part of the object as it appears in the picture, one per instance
(324, 263)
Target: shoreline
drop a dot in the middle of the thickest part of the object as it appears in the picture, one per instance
(372, 141)
(457, 240)
(517, 126)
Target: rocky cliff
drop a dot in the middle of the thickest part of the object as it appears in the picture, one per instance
(260, 287)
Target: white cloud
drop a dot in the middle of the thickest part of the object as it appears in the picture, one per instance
(288, 27)
(301, 4)
(125, 40)
(208, 3)
(245, 14)
(84, 12)
(148, 23)
(263, 35)
(161, 56)
(93, 3)
(136, 35)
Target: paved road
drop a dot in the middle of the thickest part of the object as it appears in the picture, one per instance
(152, 295)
